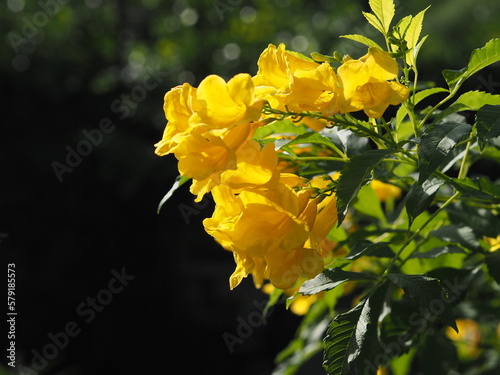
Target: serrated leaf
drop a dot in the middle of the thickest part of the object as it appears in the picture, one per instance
(426, 292)
(366, 344)
(384, 10)
(483, 221)
(374, 21)
(436, 143)
(402, 25)
(312, 137)
(412, 35)
(461, 235)
(479, 59)
(471, 101)
(331, 278)
(493, 264)
(179, 181)
(352, 177)
(488, 123)
(478, 187)
(339, 336)
(361, 39)
(366, 247)
(420, 197)
(437, 252)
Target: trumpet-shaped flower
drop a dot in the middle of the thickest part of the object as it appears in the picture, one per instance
(224, 105)
(274, 233)
(369, 84)
(288, 79)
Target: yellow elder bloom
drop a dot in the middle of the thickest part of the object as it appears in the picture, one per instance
(224, 105)
(285, 79)
(369, 84)
(385, 191)
(493, 242)
(468, 337)
(273, 232)
(179, 105)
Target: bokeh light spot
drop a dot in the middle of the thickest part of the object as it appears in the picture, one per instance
(189, 16)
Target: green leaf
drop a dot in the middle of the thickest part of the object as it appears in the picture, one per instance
(361, 39)
(479, 59)
(488, 123)
(483, 221)
(352, 177)
(179, 181)
(461, 235)
(470, 101)
(426, 292)
(339, 337)
(436, 143)
(412, 36)
(420, 197)
(312, 137)
(438, 251)
(351, 343)
(493, 264)
(316, 56)
(331, 278)
(384, 10)
(480, 187)
(374, 21)
(368, 204)
(366, 247)
(280, 127)
(418, 97)
(366, 347)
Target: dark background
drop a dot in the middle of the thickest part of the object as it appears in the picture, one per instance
(66, 67)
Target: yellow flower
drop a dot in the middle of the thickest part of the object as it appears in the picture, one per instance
(385, 191)
(225, 105)
(179, 105)
(247, 165)
(287, 79)
(467, 339)
(274, 233)
(493, 242)
(369, 83)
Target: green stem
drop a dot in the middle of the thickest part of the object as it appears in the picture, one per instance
(433, 109)
(313, 158)
(417, 232)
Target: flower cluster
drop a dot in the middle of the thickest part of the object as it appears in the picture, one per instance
(273, 221)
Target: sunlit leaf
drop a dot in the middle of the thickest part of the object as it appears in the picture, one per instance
(361, 39)
(330, 278)
(179, 181)
(412, 35)
(374, 21)
(470, 101)
(480, 58)
(384, 10)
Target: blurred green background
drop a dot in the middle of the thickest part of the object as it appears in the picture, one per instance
(82, 93)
